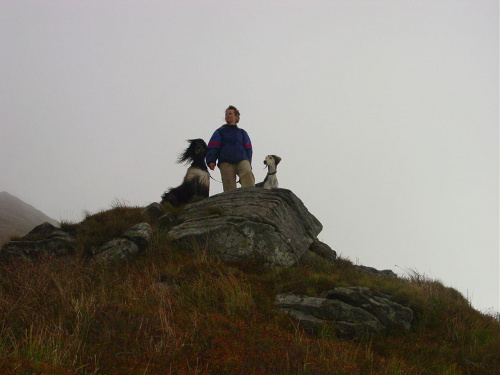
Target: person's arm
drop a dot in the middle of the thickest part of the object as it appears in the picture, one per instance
(214, 146)
(247, 144)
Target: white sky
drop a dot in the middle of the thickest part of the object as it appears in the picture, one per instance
(385, 113)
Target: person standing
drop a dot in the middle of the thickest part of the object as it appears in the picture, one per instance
(232, 148)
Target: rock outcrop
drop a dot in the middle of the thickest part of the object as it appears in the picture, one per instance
(126, 247)
(323, 250)
(374, 272)
(250, 222)
(44, 240)
(158, 214)
(349, 311)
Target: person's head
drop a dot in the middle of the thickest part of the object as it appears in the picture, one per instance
(232, 115)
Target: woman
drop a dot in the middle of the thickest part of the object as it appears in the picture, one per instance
(231, 146)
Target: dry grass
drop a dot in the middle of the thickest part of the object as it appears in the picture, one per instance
(185, 312)
(97, 229)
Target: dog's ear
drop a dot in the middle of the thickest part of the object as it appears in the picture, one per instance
(277, 159)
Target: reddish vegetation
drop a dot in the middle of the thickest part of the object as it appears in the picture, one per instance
(174, 312)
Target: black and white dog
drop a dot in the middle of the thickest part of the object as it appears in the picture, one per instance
(197, 179)
(271, 180)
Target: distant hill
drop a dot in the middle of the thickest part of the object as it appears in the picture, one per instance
(17, 218)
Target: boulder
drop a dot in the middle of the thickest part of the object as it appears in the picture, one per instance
(313, 313)
(167, 220)
(273, 225)
(154, 210)
(41, 231)
(375, 272)
(323, 250)
(388, 312)
(44, 240)
(350, 311)
(117, 249)
(140, 234)
(126, 247)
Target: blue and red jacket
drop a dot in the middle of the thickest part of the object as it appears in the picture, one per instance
(229, 144)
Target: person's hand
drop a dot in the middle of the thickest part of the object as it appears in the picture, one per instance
(211, 166)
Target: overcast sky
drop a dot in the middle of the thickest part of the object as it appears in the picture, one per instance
(385, 113)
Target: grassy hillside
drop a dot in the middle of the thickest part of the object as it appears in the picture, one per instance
(178, 311)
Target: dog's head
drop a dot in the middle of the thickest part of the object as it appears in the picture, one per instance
(197, 149)
(272, 160)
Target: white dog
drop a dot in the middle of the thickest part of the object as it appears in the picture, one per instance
(271, 181)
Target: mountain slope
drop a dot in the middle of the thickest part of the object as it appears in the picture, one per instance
(17, 217)
(183, 310)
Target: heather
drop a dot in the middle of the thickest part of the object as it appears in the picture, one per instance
(185, 311)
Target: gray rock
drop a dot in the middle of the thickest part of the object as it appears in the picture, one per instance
(118, 249)
(388, 312)
(250, 222)
(140, 234)
(167, 220)
(323, 250)
(350, 311)
(313, 313)
(311, 259)
(40, 232)
(154, 210)
(59, 234)
(127, 247)
(376, 272)
(309, 322)
(37, 249)
(44, 240)
(157, 212)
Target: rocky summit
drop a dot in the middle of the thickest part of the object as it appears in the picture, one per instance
(250, 222)
(243, 224)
